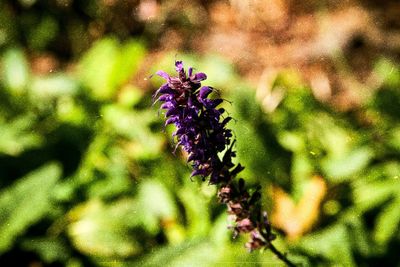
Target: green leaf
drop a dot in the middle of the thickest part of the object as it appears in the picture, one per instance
(116, 180)
(327, 133)
(219, 234)
(130, 95)
(15, 71)
(342, 168)
(135, 127)
(8, 30)
(388, 71)
(204, 253)
(131, 56)
(394, 138)
(26, 202)
(55, 85)
(156, 204)
(18, 136)
(251, 136)
(292, 141)
(372, 194)
(50, 250)
(301, 172)
(107, 65)
(70, 111)
(43, 33)
(387, 224)
(96, 68)
(196, 210)
(104, 230)
(357, 231)
(331, 243)
(219, 70)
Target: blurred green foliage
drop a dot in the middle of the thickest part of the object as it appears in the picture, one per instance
(88, 177)
(118, 195)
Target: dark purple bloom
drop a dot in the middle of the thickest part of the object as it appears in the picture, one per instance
(201, 131)
(200, 125)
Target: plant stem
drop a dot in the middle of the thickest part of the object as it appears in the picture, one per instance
(280, 255)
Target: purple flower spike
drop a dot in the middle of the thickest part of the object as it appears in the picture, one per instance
(201, 131)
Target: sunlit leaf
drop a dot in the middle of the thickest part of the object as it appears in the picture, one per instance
(292, 141)
(130, 96)
(156, 205)
(342, 168)
(97, 67)
(387, 224)
(394, 138)
(108, 64)
(222, 70)
(196, 208)
(15, 70)
(388, 71)
(372, 194)
(358, 232)
(332, 244)
(54, 86)
(116, 178)
(104, 230)
(17, 136)
(135, 126)
(129, 60)
(25, 202)
(68, 110)
(50, 250)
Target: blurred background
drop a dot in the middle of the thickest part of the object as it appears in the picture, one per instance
(87, 176)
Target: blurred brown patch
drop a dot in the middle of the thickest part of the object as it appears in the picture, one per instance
(259, 15)
(333, 45)
(297, 219)
(148, 10)
(45, 63)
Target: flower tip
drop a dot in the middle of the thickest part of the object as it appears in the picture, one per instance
(178, 65)
(200, 77)
(204, 91)
(163, 74)
(197, 172)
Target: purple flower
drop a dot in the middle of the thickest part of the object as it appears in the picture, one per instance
(200, 125)
(201, 131)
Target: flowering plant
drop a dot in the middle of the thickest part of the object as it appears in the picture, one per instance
(201, 131)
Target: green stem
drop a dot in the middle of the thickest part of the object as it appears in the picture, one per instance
(280, 255)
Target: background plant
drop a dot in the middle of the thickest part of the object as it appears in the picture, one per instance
(88, 179)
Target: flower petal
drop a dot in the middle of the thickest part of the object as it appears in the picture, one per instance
(163, 74)
(197, 172)
(167, 105)
(178, 66)
(172, 111)
(198, 77)
(171, 120)
(205, 91)
(164, 97)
